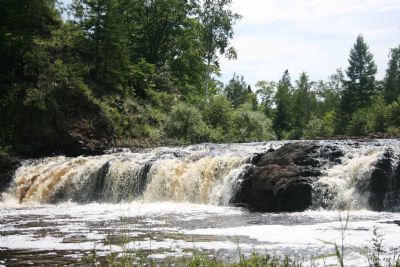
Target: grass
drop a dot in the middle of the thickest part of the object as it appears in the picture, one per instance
(256, 259)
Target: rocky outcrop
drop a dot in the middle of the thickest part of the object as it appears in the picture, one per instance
(384, 185)
(8, 165)
(282, 180)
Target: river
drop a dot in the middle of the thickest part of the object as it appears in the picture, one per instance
(168, 203)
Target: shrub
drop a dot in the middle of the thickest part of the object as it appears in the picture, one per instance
(317, 127)
(250, 126)
(359, 123)
(378, 115)
(185, 123)
(218, 113)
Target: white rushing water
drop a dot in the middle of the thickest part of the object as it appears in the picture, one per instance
(197, 174)
(173, 202)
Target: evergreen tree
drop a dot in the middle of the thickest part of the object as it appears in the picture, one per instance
(392, 79)
(281, 120)
(360, 86)
(359, 89)
(237, 90)
(103, 46)
(302, 102)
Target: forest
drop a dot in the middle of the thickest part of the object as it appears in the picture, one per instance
(144, 73)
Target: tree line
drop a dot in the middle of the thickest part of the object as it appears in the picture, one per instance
(350, 102)
(145, 72)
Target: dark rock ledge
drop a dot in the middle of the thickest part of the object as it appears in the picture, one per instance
(282, 180)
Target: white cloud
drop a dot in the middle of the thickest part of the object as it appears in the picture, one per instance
(309, 35)
(266, 11)
(263, 57)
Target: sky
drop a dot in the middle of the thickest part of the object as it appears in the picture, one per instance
(308, 35)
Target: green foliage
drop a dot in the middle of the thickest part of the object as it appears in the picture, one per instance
(266, 91)
(358, 125)
(378, 116)
(394, 113)
(216, 31)
(253, 260)
(133, 72)
(360, 86)
(375, 119)
(251, 126)
(317, 127)
(218, 113)
(237, 91)
(359, 89)
(281, 122)
(303, 99)
(186, 123)
(328, 93)
(105, 50)
(392, 79)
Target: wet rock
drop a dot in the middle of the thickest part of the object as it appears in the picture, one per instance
(281, 180)
(8, 165)
(384, 185)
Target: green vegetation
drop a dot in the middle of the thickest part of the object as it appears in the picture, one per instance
(144, 73)
(354, 104)
(374, 255)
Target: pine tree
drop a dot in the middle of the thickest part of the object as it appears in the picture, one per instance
(392, 78)
(359, 89)
(301, 98)
(360, 86)
(281, 120)
(104, 42)
(237, 90)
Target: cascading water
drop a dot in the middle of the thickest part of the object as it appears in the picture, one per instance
(199, 174)
(348, 185)
(207, 174)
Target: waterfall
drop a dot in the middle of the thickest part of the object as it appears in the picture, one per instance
(207, 180)
(200, 174)
(349, 185)
(365, 175)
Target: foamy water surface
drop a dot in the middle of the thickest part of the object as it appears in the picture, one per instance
(68, 233)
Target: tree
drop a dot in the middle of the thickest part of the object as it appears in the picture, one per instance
(266, 90)
(360, 86)
(217, 24)
(328, 93)
(281, 120)
(25, 29)
(392, 79)
(218, 113)
(21, 24)
(104, 42)
(302, 102)
(186, 123)
(237, 90)
(251, 126)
